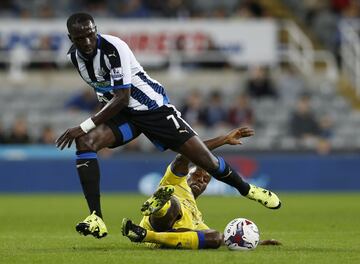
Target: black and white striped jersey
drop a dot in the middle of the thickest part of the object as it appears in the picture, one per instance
(115, 67)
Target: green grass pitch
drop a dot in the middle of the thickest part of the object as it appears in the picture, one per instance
(314, 228)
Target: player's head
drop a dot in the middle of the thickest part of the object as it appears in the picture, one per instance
(198, 180)
(82, 32)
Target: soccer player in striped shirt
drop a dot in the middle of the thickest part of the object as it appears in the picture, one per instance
(133, 104)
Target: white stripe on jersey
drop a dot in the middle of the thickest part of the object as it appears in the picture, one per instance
(139, 107)
(148, 90)
(97, 67)
(82, 68)
(107, 62)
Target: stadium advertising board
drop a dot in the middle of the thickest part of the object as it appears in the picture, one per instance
(141, 172)
(239, 42)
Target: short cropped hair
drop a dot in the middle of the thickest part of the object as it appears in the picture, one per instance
(78, 18)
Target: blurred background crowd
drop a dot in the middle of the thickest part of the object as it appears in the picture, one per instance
(289, 111)
(310, 11)
(321, 18)
(133, 8)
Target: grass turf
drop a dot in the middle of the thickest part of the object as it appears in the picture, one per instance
(314, 228)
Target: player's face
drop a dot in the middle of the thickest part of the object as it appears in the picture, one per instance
(84, 37)
(198, 181)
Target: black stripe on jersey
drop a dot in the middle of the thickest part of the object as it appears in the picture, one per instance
(111, 52)
(74, 60)
(113, 55)
(72, 49)
(156, 87)
(90, 70)
(103, 66)
(142, 98)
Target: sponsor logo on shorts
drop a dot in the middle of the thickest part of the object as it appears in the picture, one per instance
(183, 131)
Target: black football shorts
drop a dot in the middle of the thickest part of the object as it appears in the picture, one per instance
(163, 126)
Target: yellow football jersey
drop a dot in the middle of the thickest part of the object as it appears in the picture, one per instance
(191, 216)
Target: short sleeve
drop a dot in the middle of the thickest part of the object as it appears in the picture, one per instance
(120, 72)
(170, 178)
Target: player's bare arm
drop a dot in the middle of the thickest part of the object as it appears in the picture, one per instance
(116, 104)
(181, 163)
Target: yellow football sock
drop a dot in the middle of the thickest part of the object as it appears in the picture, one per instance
(163, 210)
(188, 239)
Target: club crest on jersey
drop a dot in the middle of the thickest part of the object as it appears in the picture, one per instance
(101, 72)
(116, 73)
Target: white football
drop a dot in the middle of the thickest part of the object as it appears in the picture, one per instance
(241, 234)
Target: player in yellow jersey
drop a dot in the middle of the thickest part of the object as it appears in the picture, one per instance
(171, 217)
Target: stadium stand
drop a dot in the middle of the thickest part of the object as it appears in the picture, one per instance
(24, 93)
(271, 114)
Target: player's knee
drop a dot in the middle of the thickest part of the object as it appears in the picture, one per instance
(85, 143)
(166, 222)
(213, 239)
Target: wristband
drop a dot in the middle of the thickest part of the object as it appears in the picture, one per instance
(87, 125)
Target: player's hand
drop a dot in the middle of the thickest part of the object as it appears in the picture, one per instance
(233, 138)
(67, 138)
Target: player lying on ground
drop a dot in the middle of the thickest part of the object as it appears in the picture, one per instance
(171, 217)
(133, 104)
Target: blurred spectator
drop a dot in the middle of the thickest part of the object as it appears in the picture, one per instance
(326, 127)
(339, 5)
(323, 146)
(352, 10)
(2, 135)
(324, 24)
(170, 8)
(46, 11)
(241, 113)
(83, 101)
(8, 8)
(290, 84)
(249, 8)
(19, 132)
(98, 8)
(192, 111)
(25, 14)
(207, 8)
(215, 113)
(303, 124)
(313, 8)
(323, 17)
(212, 57)
(259, 84)
(132, 9)
(47, 135)
(219, 13)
